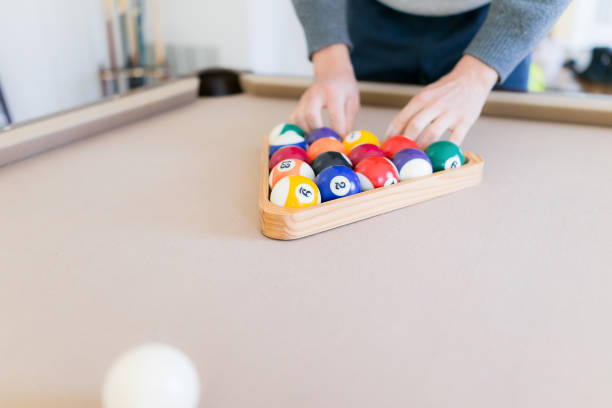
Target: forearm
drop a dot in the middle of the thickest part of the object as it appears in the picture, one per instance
(511, 30)
(333, 60)
(324, 23)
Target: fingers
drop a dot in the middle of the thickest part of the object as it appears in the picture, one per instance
(459, 132)
(435, 131)
(399, 122)
(351, 109)
(311, 112)
(342, 104)
(419, 122)
(337, 114)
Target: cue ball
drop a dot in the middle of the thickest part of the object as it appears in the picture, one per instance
(375, 172)
(288, 152)
(152, 376)
(359, 137)
(396, 143)
(336, 182)
(445, 155)
(290, 167)
(364, 150)
(321, 133)
(412, 163)
(283, 128)
(328, 159)
(295, 192)
(326, 144)
(289, 138)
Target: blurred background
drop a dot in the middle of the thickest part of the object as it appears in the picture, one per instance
(60, 54)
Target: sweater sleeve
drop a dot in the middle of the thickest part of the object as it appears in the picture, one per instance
(324, 23)
(512, 28)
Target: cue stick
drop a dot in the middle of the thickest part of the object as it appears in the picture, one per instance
(158, 43)
(111, 42)
(4, 107)
(140, 33)
(131, 35)
(117, 35)
(122, 10)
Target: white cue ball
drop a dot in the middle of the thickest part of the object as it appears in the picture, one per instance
(152, 376)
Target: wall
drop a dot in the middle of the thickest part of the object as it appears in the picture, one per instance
(260, 35)
(49, 54)
(206, 24)
(277, 42)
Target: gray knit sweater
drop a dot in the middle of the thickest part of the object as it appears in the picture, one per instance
(511, 30)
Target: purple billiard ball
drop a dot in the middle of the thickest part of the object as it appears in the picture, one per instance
(321, 133)
(412, 163)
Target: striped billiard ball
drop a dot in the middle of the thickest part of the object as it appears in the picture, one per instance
(295, 192)
(283, 128)
(290, 167)
(445, 155)
(412, 163)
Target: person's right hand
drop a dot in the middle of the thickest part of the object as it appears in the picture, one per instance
(334, 88)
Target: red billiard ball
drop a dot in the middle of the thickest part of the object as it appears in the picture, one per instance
(288, 152)
(396, 143)
(363, 151)
(376, 171)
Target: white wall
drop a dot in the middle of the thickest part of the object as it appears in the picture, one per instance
(49, 54)
(260, 35)
(219, 24)
(277, 41)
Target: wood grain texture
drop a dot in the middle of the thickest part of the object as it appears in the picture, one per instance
(291, 223)
(566, 108)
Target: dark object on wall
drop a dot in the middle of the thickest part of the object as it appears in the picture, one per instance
(600, 68)
(4, 108)
(219, 82)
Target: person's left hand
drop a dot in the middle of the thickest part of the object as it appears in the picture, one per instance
(452, 103)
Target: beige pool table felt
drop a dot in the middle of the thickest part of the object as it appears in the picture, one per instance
(495, 296)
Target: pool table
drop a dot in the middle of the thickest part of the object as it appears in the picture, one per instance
(136, 220)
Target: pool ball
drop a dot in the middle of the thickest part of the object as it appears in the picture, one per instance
(445, 155)
(321, 133)
(412, 163)
(359, 137)
(396, 143)
(295, 192)
(153, 375)
(290, 167)
(337, 181)
(289, 138)
(288, 152)
(324, 145)
(327, 159)
(375, 171)
(364, 150)
(283, 128)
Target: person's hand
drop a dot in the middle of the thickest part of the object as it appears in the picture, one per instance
(452, 103)
(334, 88)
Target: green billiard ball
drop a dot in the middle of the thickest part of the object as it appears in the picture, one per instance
(445, 155)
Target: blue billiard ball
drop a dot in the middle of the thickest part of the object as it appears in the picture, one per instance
(337, 181)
